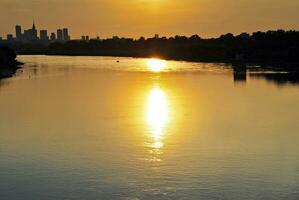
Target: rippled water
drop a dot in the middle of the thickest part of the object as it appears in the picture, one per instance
(138, 129)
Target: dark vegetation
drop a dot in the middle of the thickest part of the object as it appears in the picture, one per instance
(260, 47)
(8, 62)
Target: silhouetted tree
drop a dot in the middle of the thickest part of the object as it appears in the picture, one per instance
(259, 47)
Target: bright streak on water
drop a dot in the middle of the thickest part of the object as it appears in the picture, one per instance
(93, 128)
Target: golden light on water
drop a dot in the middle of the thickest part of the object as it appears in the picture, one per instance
(156, 65)
(157, 116)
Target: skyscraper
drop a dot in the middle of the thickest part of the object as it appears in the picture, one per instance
(59, 35)
(34, 32)
(66, 36)
(30, 34)
(44, 35)
(18, 33)
(9, 37)
(53, 37)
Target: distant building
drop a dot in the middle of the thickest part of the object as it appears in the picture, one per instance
(156, 36)
(19, 34)
(59, 35)
(53, 37)
(30, 34)
(98, 38)
(34, 32)
(1, 39)
(44, 35)
(9, 37)
(84, 37)
(27, 35)
(66, 36)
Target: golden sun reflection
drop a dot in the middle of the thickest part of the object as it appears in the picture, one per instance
(156, 65)
(157, 116)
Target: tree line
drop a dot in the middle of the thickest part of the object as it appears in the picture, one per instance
(271, 46)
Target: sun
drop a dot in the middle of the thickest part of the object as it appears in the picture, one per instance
(156, 65)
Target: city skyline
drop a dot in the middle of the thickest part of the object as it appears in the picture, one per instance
(62, 34)
(134, 18)
(34, 34)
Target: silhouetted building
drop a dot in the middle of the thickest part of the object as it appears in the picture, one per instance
(31, 34)
(53, 37)
(19, 33)
(44, 35)
(27, 35)
(34, 32)
(9, 37)
(1, 39)
(66, 36)
(156, 36)
(59, 35)
(85, 37)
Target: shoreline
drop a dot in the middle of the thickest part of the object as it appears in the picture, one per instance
(291, 66)
(8, 62)
(8, 72)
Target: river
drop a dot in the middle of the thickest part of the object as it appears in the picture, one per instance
(74, 128)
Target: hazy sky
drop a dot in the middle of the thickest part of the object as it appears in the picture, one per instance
(133, 18)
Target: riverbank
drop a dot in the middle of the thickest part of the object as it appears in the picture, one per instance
(270, 47)
(275, 65)
(8, 62)
(7, 72)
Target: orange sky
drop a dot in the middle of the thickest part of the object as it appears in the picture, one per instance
(134, 18)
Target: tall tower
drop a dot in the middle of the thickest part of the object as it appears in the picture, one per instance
(66, 36)
(18, 32)
(33, 32)
(59, 35)
(53, 37)
(43, 34)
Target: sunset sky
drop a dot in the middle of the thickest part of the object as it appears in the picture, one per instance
(134, 18)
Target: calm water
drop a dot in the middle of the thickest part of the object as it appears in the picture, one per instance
(91, 128)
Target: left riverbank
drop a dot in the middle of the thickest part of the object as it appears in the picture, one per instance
(8, 62)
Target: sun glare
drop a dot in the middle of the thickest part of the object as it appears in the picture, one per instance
(156, 65)
(157, 115)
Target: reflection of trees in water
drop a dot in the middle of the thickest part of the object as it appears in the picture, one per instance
(3, 82)
(279, 78)
(240, 72)
(7, 72)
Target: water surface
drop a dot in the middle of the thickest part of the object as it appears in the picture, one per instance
(138, 129)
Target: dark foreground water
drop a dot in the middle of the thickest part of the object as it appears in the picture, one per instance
(89, 128)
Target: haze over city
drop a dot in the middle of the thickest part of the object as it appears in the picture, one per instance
(135, 18)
